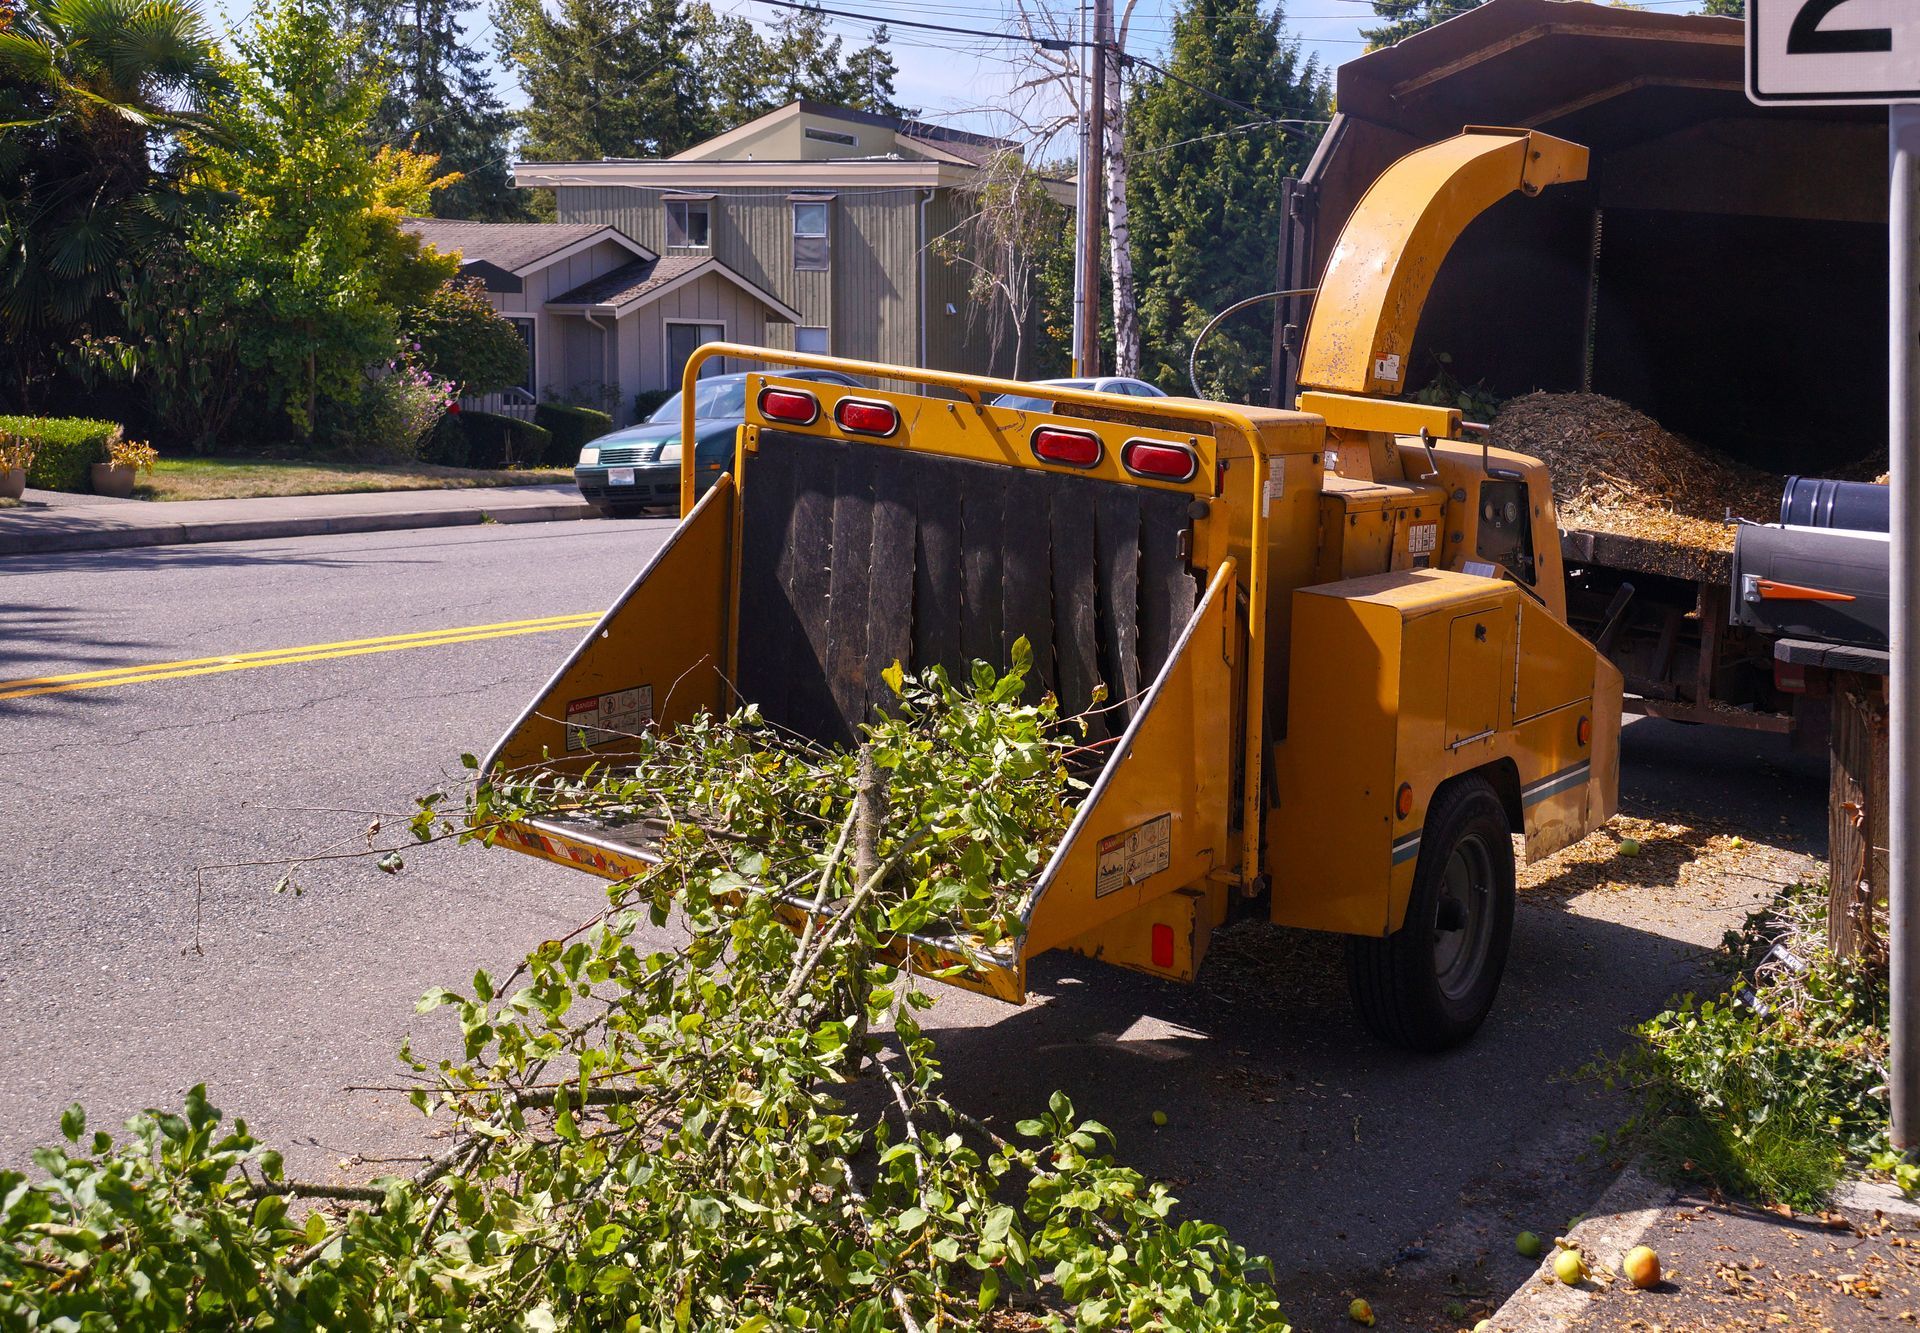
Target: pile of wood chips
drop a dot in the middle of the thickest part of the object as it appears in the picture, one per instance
(1616, 470)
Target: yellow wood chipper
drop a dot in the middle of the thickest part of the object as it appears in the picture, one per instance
(1333, 641)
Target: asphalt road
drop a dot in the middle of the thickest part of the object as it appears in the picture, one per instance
(127, 974)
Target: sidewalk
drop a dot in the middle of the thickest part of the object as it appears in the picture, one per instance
(1733, 1266)
(48, 521)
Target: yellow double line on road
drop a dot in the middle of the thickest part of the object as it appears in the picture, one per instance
(27, 687)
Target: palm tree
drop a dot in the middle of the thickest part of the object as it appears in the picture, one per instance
(100, 107)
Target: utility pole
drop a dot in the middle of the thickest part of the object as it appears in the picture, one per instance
(1080, 205)
(1093, 175)
(1903, 801)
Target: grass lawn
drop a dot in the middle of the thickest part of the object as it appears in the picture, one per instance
(245, 478)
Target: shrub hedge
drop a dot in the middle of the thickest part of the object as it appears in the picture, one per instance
(496, 441)
(64, 448)
(570, 427)
(446, 444)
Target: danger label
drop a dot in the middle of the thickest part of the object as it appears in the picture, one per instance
(1387, 368)
(1130, 857)
(1422, 538)
(605, 717)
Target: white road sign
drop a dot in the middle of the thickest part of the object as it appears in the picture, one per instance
(1833, 51)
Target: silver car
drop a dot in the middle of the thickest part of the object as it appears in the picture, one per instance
(1122, 384)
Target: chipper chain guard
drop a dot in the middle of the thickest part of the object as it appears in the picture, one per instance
(820, 561)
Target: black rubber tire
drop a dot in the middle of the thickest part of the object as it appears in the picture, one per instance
(1413, 988)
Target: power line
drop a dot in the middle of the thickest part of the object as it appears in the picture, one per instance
(880, 20)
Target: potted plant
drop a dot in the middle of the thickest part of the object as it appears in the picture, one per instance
(125, 459)
(16, 456)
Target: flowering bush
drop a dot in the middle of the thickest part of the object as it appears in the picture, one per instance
(399, 403)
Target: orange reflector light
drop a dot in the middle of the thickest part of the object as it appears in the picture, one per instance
(1162, 944)
(858, 416)
(1075, 448)
(1584, 732)
(791, 405)
(1403, 800)
(1166, 462)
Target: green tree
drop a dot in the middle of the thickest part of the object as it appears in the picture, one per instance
(1204, 193)
(439, 99)
(314, 263)
(604, 78)
(461, 337)
(1734, 9)
(100, 109)
(1403, 18)
(748, 73)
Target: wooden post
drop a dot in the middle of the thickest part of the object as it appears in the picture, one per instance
(1857, 826)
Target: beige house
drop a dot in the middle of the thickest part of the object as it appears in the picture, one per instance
(604, 317)
(832, 213)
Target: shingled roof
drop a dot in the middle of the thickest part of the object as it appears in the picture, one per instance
(645, 279)
(502, 252)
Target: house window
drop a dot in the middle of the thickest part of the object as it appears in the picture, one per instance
(524, 327)
(689, 224)
(810, 235)
(682, 340)
(811, 338)
(829, 136)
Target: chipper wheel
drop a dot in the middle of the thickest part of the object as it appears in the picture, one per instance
(1428, 985)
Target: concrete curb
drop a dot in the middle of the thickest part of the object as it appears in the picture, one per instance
(246, 530)
(1619, 1220)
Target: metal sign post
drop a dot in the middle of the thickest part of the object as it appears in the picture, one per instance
(1903, 752)
(1838, 52)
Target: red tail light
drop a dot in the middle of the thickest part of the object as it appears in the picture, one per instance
(861, 417)
(790, 405)
(1166, 462)
(1075, 448)
(1162, 944)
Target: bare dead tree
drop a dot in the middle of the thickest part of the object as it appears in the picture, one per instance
(1051, 88)
(1001, 245)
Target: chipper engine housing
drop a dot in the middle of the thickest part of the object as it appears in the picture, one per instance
(1330, 641)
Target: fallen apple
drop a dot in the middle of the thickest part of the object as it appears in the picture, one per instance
(1528, 1244)
(1642, 1267)
(1570, 1268)
(1360, 1312)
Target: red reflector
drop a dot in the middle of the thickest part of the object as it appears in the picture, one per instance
(1075, 448)
(1167, 461)
(789, 405)
(1162, 944)
(1403, 800)
(1584, 732)
(864, 418)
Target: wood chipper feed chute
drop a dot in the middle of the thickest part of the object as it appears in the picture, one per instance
(827, 555)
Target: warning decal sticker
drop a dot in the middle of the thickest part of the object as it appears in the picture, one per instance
(1130, 857)
(604, 717)
(1422, 538)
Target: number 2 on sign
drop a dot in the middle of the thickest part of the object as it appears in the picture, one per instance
(1807, 38)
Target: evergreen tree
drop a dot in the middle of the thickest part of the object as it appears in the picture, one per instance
(870, 75)
(1733, 9)
(748, 73)
(439, 100)
(603, 78)
(1406, 17)
(1204, 196)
